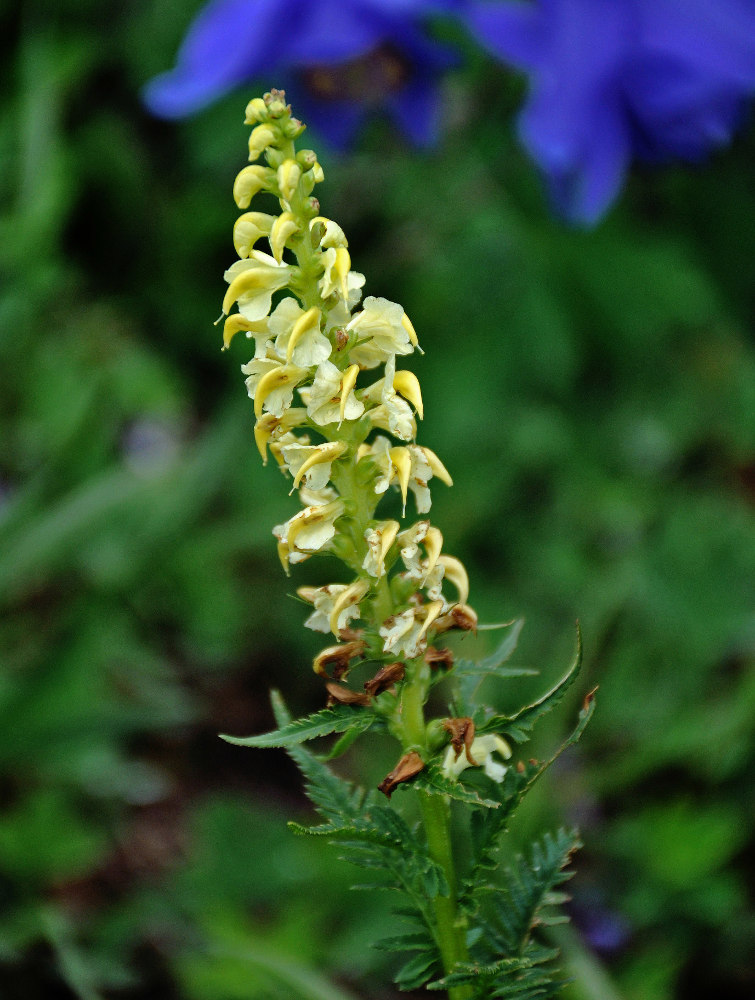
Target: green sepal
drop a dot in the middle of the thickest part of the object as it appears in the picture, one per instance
(518, 727)
(339, 719)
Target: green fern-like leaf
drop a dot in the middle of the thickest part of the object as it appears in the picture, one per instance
(522, 977)
(527, 898)
(433, 781)
(416, 972)
(486, 828)
(339, 719)
(336, 800)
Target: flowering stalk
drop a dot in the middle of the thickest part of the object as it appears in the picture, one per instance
(346, 443)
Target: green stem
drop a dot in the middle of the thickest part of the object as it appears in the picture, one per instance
(436, 819)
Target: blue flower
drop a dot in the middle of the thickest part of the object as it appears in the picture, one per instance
(614, 79)
(340, 60)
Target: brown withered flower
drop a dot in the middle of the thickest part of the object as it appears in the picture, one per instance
(338, 659)
(435, 658)
(407, 768)
(345, 696)
(460, 616)
(462, 736)
(385, 678)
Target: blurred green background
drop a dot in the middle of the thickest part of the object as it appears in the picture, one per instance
(593, 395)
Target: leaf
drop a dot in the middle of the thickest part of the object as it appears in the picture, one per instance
(518, 727)
(486, 828)
(527, 894)
(416, 972)
(405, 942)
(339, 719)
(468, 973)
(469, 675)
(433, 781)
(335, 799)
(494, 660)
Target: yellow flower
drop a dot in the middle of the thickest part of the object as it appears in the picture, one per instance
(481, 752)
(251, 283)
(307, 532)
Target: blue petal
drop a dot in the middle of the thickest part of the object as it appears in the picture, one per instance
(417, 110)
(333, 31)
(230, 41)
(337, 121)
(678, 112)
(715, 37)
(514, 32)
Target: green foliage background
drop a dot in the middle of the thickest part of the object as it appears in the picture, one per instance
(593, 395)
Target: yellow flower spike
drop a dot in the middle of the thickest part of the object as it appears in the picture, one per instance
(407, 325)
(284, 227)
(307, 322)
(362, 450)
(457, 574)
(438, 467)
(433, 542)
(402, 463)
(333, 235)
(234, 324)
(407, 384)
(348, 382)
(289, 175)
(262, 136)
(432, 610)
(249, 228)
(278, 378)
(250, 181)
(342, 266)
(327, 452)
(353, 594)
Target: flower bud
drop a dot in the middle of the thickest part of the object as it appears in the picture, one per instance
(249, 228)
(288, 176)
(249, 181)
(283, 228)
(262, 136)
(275, 102)
(256, 111)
